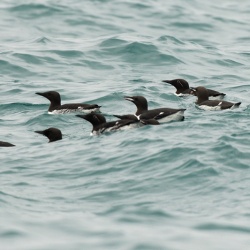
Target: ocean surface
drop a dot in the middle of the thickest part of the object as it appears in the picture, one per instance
(177, 186)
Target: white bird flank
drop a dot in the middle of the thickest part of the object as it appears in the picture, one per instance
(67, 111)
(178, 116)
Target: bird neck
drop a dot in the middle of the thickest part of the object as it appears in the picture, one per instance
(54, 104)
(141, 109)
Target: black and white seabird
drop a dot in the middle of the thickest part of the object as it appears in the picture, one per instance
(135, 118)
(53, 134)
(204, 103)
(162, 115)
(100, 125)
(6, 144)
(149, 122)
(56, 107)
(127, 117)
(183, 89)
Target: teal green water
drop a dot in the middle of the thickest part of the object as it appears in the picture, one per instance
(182, 185)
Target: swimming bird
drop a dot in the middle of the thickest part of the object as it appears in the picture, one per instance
(204, 103)
(162, 115)
(135, 118)
(6, 144)
(127, 117)
(149, 122)
(183, 89)
(56, 107)
(100, 125)
(53, 134)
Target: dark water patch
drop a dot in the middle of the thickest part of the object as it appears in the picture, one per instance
(204, 43)
(21, 184)
(140, 6)
(14, 70)
(112, 42)
(228, 20)
(227, 63)
(138, 52)
(195, 26)
(99, 65)
(20, 107)
(193, 168)
(42, 40)
(34, 10)
(246, 54)
(223, 228)
(140, 80)
(138, 48)
(170, 39)
(104, 171)
(102, 195)
(82, 21)
(12, 91)
(243, 39)
(17, 197)
(9, 172)
(149, 247)
(238, 159)
(230, 77)
(28, 58)
(12, 233)
(67, 53)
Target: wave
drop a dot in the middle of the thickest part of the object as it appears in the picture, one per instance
(136, 52)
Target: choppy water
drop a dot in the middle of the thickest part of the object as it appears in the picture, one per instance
(182, 185)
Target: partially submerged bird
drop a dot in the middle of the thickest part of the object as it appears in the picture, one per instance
(53, 134)
(162, 115)
(100, 125)
(149, 122)
(56, 107)
(204, 103)
(6, 144)
(127, 117)
(135, 118)
(183, 89)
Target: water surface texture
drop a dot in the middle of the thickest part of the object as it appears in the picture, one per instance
(181, 185)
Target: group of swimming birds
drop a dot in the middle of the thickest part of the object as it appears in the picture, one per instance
(143, 115)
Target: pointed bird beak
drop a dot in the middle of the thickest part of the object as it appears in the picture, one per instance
(129, 98)
(39, 93)
(39, 132)
(167, 81)
(193, 91)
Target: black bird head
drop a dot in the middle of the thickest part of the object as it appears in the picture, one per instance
(53, 134)
(202, 94)
(53, 96)
(94, 118)
(6, 144)
(181, 85)
(140, 102)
